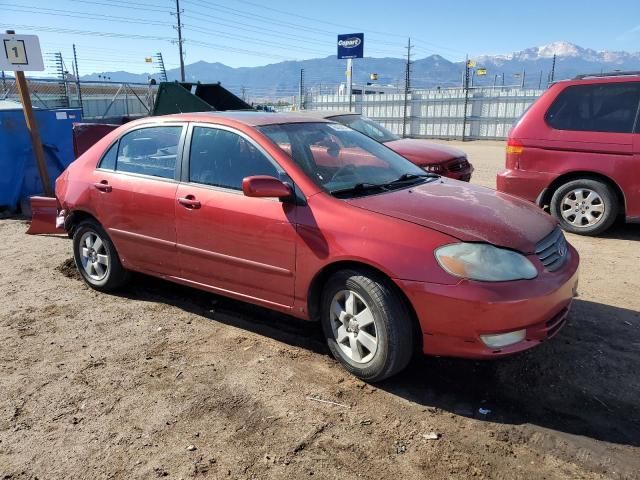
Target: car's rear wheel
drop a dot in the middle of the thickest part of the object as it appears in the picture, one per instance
(96, 257)
(367, 325)
(585, 206)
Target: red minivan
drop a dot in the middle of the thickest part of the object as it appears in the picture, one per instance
(577, 151)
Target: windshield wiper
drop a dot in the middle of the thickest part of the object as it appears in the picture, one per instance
(358, 188)
(410, 178)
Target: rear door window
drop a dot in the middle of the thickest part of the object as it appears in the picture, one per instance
(596, 108)
(150, 151)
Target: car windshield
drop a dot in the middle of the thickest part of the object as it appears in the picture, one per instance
(366, 126)
(343, 161)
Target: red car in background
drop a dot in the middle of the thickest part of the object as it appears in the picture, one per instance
(577, 151)
(431, 157)
(270, 209)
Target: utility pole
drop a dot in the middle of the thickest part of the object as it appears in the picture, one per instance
(4, 83)
(243, 94)
(301, 90)
(407, 87)
(522, 77)
(75, 67)
(180, 40)
(163, 71)
(553, 69)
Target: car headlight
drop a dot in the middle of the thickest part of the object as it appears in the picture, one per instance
(433, 168)
(484, 262)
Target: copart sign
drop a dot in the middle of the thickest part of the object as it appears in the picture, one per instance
(351, 45)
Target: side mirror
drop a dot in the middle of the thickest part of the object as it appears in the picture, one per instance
(263, 186)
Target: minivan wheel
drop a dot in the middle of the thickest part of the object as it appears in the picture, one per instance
(96, 257)
(367, 326)
(585, 207)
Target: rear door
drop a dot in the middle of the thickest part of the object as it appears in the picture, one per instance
(136, 184)
(227, 241)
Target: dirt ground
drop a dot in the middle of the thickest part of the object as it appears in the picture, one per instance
(165, 381)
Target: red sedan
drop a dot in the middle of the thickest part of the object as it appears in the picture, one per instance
(316, 220)
(432, 157)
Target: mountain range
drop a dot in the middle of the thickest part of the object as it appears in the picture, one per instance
(281, 79)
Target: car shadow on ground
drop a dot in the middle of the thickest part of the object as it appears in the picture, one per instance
(622, 231)
(584, 381)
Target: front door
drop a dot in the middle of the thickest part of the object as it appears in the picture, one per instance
(135, 185)
(227, 241)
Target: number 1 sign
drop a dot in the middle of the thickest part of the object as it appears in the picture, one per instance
(20, 53)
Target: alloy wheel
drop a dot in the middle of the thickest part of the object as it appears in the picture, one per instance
(354, 326)
(582, 207)
(94, 256)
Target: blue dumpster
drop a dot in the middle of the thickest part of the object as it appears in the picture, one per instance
(19, 177)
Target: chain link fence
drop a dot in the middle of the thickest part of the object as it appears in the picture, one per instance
(98, 100)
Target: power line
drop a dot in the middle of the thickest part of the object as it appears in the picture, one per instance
(74, 14)
(71, 31)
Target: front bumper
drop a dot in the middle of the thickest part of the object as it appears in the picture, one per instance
(458, 169)
(452, 317)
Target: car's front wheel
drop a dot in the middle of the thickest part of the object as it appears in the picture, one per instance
(367, 325)
(585, 206)
(96, 257)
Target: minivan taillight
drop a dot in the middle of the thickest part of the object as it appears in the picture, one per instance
(514, 152)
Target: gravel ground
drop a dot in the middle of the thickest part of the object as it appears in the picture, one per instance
(165, 381)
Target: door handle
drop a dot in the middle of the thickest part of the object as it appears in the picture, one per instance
(189, 202)
(103, 186)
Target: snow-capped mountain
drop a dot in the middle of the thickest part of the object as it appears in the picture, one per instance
(564, 50)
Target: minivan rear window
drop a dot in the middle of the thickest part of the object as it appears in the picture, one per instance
(608, 107)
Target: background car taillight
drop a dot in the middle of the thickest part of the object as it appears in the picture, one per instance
(514, 152)
(434, 168)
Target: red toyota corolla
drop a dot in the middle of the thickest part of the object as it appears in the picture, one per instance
(270, 209)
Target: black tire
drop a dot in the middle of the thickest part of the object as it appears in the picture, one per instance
(392, 324)
(114, 276)
(608, 200)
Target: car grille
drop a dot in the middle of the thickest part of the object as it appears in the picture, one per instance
(458, 164)
(553, 250)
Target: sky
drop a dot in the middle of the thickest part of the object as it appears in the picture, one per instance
(118, 34)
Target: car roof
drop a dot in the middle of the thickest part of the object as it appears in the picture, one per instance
(250, 118)
(602, 78)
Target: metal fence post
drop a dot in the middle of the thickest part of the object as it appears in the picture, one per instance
(466, 98)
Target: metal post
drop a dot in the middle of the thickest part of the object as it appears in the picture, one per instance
(522, 77)
(540, 81)
(75, 66)
(350, 81)
(466, 96)
(407, 86)
(553, 68)
(180, 41)
(301, 90)
(4, 83)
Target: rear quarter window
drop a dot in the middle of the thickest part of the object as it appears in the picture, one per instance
(596, 108)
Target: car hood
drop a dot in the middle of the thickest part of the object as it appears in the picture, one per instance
(466, 212)
(423, 152)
